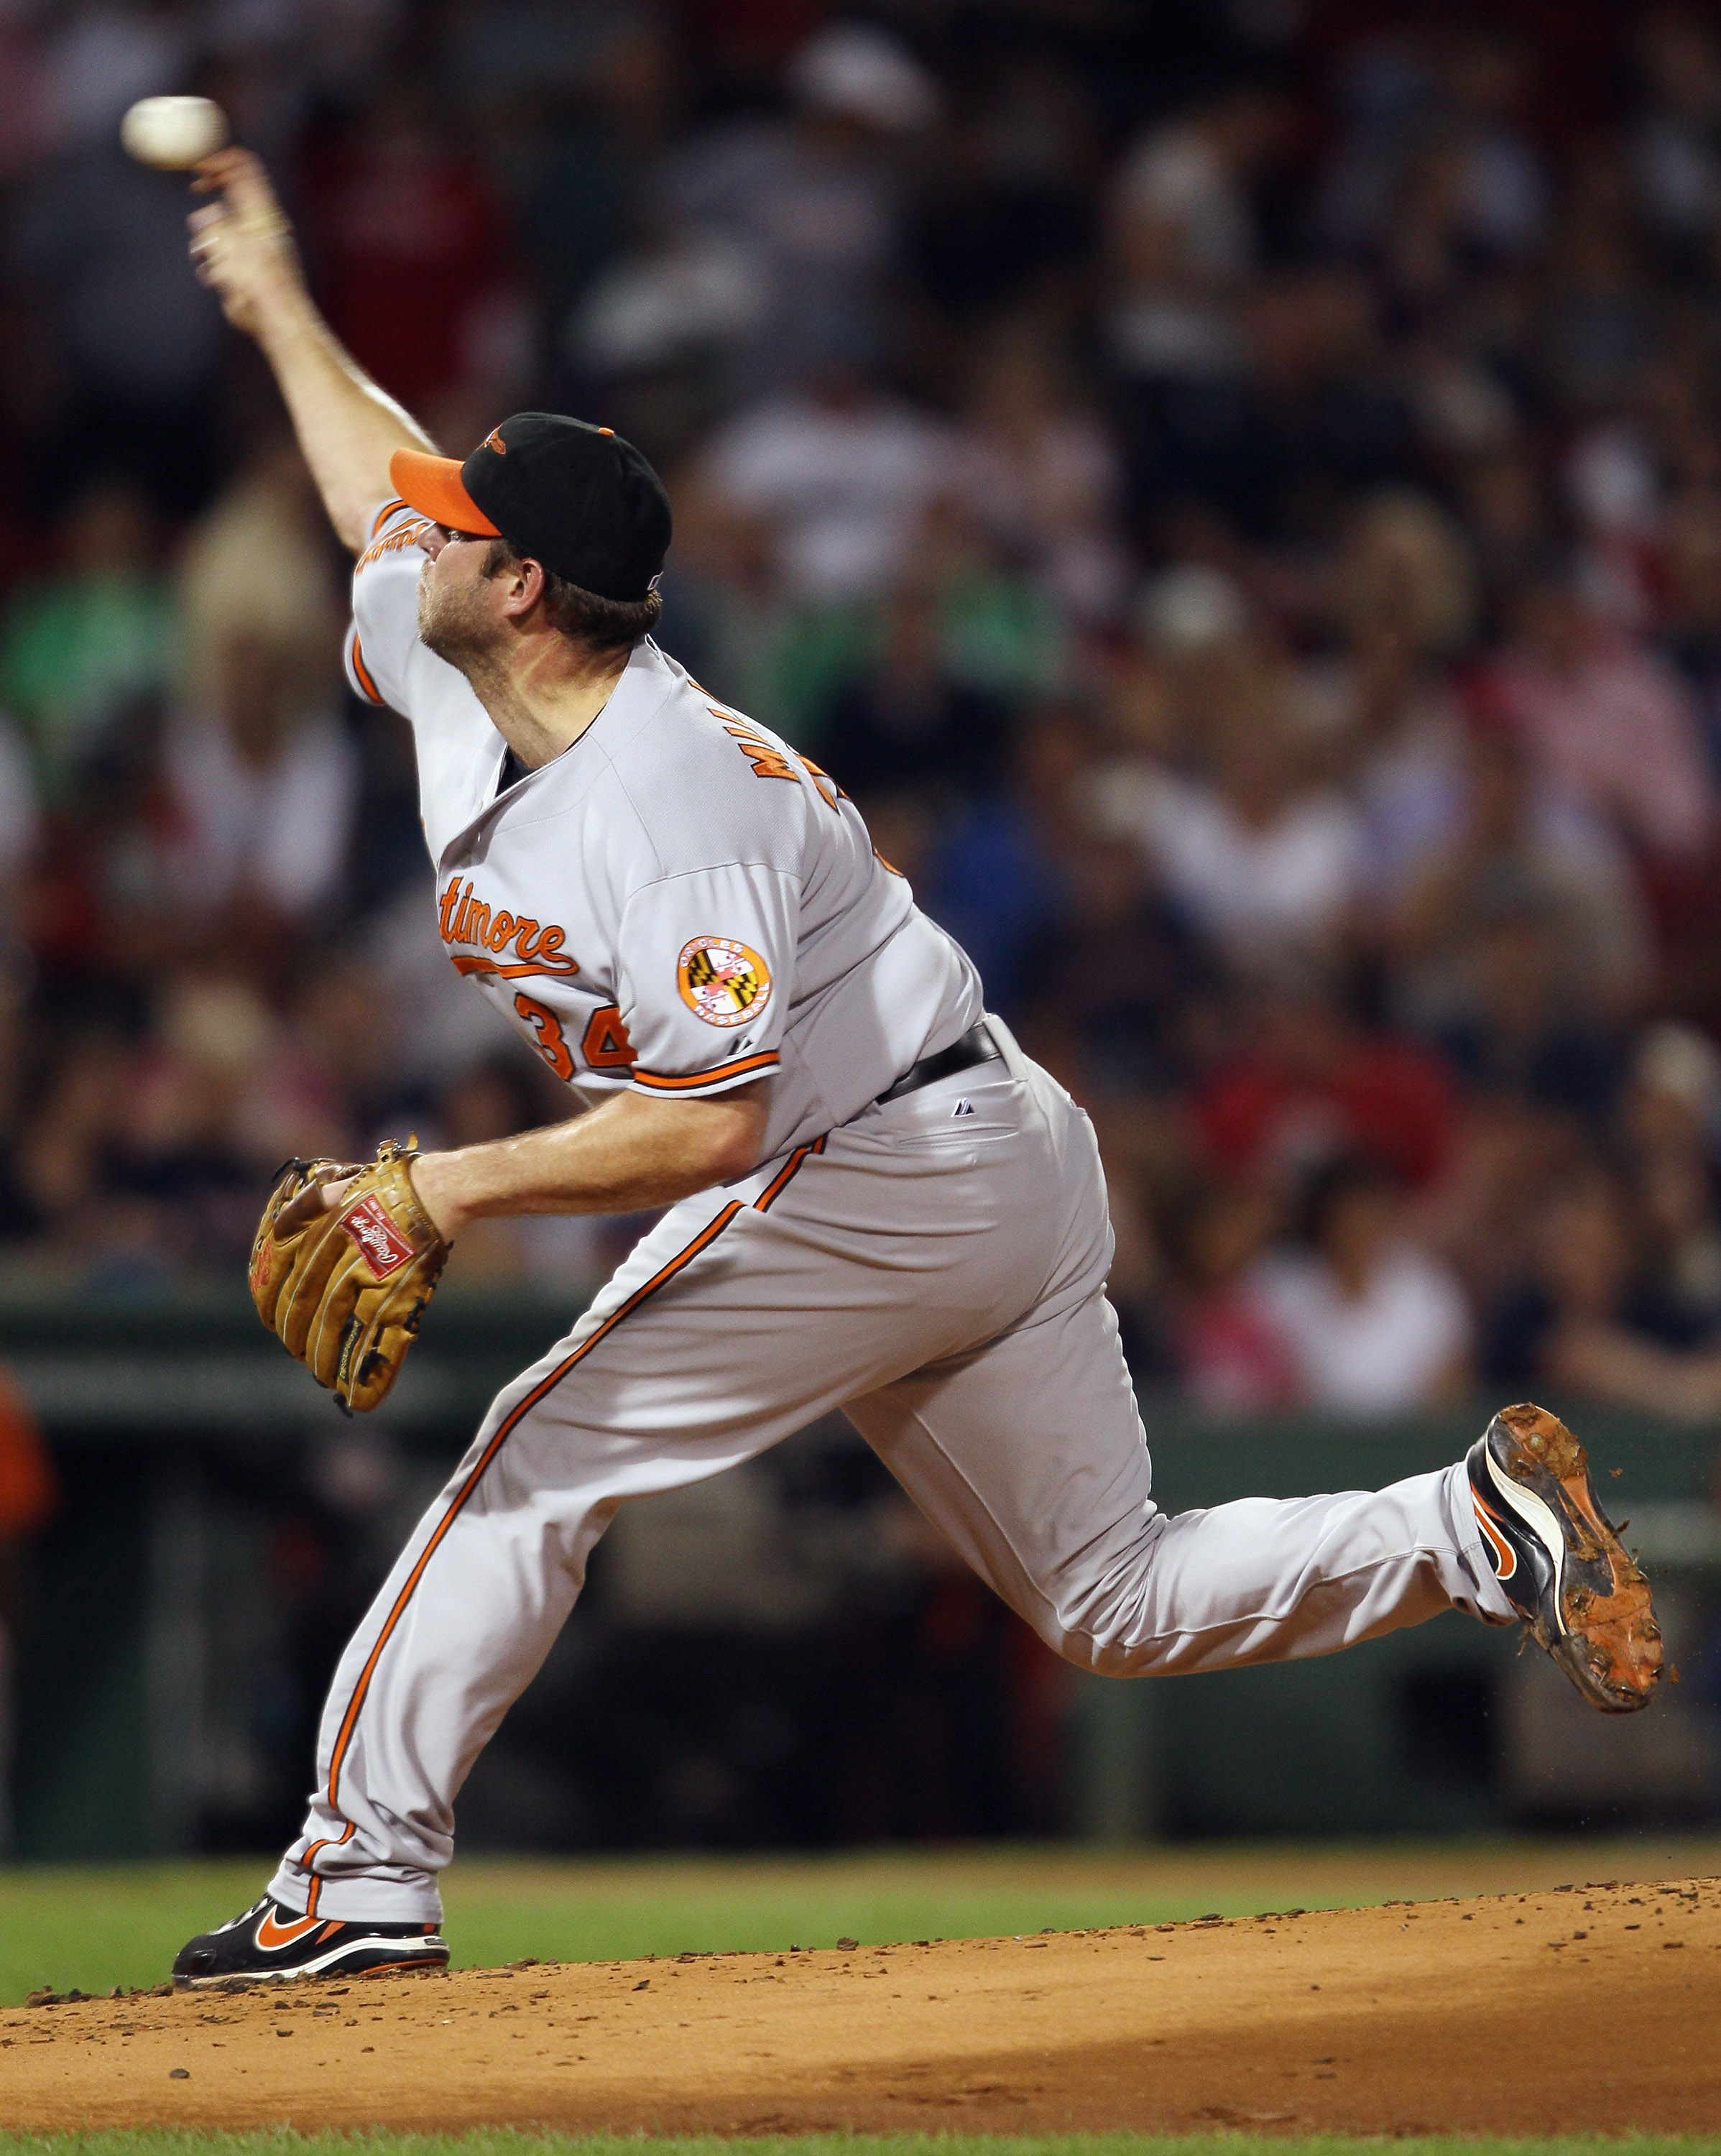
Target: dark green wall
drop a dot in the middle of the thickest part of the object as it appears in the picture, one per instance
(137, 1399)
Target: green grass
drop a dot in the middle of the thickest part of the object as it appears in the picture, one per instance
(93, 1927)
(507, 2142)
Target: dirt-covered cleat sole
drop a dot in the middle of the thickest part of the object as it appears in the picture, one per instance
(1560, 1560)
(270, 1944)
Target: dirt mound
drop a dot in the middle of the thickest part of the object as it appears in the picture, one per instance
(1591, 2007)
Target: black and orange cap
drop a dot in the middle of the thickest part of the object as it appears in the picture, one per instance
(576, 497)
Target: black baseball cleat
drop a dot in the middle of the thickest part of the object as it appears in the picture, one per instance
(1560, 1560)
(269, 1944)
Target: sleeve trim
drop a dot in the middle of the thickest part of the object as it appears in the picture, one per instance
(362, 674)
(724, 1074)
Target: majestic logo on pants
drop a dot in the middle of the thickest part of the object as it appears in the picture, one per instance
(722, 982)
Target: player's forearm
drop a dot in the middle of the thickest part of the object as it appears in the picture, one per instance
(629, 1154)
(348, 429)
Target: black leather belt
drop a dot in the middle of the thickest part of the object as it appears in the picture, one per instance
(976, 1046)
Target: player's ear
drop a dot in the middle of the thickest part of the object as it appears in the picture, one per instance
(523, 585)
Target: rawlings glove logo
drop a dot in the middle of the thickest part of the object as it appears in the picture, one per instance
(380, 1243)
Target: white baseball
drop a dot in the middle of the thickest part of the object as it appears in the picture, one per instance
(173, 133)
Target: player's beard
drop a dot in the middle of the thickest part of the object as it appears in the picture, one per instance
(453, 624)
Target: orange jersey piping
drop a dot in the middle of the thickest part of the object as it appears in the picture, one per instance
(363, 673)
(767, 1060)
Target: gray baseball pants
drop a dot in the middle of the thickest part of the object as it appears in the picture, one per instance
(940, 1277)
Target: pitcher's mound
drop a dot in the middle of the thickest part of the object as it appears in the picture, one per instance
(1589, 2007)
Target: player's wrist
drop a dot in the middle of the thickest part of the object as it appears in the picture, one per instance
(437, 1180)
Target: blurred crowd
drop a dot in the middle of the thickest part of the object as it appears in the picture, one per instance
(1233, 491)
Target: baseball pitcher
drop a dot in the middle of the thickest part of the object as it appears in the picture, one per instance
(874, 1201)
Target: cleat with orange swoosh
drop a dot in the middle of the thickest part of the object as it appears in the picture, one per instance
(1560, 1560)
(270, 1944)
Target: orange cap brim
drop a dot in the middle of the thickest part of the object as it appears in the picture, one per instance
(432, 485)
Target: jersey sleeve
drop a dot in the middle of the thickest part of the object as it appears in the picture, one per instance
(705, 972)
(384, 606)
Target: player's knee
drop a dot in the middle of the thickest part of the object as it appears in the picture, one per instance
(1109, 1620)
(1110, 1636)
(1110, 1658)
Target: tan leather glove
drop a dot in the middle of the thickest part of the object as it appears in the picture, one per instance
(344, 1290)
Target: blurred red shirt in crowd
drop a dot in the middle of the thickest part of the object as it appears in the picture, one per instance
(407, 246)
(1313, 1084)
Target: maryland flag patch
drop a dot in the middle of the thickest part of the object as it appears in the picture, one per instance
(722, 982)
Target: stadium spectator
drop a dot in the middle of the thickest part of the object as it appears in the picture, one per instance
(1521, 945)
(88, 639)
(1002, 880)
(1306, 1081)
(1232, 1358)
(1675, 168)
(1404, 603)
(415, 261)
(1041, 475)
(263, 788)
(815, 196)
(1591, 1317)
(1670, 1119)
(1264, 864)
(261, 774)
(842, 473)
(1606, 718)
(1370, 1322)
(903, 719)
(98, 242)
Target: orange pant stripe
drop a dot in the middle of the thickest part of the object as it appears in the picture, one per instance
(706, 1236)
(786, 1174)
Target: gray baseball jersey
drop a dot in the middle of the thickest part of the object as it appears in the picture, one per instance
(679, 902)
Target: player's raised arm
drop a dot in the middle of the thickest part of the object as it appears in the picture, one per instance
(348, 429)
